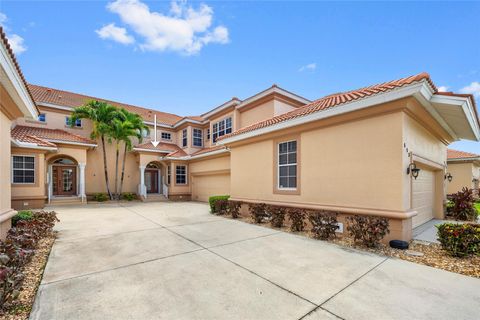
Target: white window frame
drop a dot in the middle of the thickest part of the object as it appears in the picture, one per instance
(184, 138)
(166, 133)
(201, 137)
(208, 133)
(12, 168)
(217, 132)
(78, 122)
(169, 174)
(176, 174)
(287, 165)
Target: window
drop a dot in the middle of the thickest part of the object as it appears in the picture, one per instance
(184, 138)
(42, 117)
(287, 165)
(169, 174)
(222, 128)
(23, 169)
(144, 133)
(166, 136)
(208, 134)
(197, 137)
(181, 175)
(78, 122)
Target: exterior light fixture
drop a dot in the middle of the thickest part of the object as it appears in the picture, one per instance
(413, 170)
(475, 180)
(448, 176)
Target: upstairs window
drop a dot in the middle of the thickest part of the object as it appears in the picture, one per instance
(222, 128)
(184, 138)
(208, 134)
(42, 117)
(197, 137)
(169, 174)
(287, 165)
(181, 174)
(23, 169)
(144, 133)
(166, 136)
(68, 122)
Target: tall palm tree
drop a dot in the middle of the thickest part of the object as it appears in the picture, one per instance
(102, 115)
(135, 123)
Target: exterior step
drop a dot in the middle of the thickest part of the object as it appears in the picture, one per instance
(61, 201)
(155, 198)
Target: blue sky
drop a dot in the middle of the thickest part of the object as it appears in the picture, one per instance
(211, 51)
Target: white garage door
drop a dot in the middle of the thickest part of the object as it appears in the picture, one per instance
(204, 187)
(423, 195)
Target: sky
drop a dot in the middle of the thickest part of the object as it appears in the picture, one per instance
(189, 57)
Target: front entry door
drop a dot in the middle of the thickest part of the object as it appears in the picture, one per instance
(64, 180)
(151, 181)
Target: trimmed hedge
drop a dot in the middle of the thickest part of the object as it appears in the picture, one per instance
(367, 230)
(213, 199)
(460, 240)
(22, 215)
(100, 197)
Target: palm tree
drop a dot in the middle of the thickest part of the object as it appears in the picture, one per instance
(102, 115)
(134, 122)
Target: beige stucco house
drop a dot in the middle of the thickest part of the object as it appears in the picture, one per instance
(15, 102)
(464, 169)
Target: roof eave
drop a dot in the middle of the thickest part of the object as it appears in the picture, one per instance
(28, 145)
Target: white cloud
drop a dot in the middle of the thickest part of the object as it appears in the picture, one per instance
(308, 67)
(442, 89)
(16, 42)
(112, 32)
(472, 88)
(184, 29)
(3, 18)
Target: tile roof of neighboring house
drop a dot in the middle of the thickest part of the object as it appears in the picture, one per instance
(46, 136)
(162, 146)
(4, 39)
(70, 99)
(206, 150)
(337, 99)
(457, 154)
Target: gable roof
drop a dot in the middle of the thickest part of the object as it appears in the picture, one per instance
(170, 148)
(339, 99)
(47, 137)
(459, 155)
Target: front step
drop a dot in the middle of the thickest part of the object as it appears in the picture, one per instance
(63, 201)
(155, 198)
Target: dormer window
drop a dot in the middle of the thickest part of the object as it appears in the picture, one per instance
(184, 138)
(222, 128)
(197, 137)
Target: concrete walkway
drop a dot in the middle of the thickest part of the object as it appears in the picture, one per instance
(176, 261)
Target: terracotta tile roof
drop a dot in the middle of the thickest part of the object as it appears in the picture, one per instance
(162, 146)
(33, 134)
(335, 100)
(206, 150)
(70, 99)
(4, 40)
(457, 154)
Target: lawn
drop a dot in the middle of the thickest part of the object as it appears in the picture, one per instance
(477, 206)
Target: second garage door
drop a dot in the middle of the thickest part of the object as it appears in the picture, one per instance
(423, 195)
(205, 186)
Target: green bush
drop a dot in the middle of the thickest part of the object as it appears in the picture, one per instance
(221, 207)
(213, 199)
(22, 215)
(100, 197)
(129, 196)
(459, 240)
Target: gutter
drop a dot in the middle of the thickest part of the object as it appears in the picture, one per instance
(203, 155)
(29, 145)
(72, 143)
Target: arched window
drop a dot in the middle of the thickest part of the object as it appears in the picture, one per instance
(63, 161)
(153, 165)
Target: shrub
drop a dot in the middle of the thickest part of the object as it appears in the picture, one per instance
(463, 205)
(459, 240)
(324, 224)
(221, 206)
(297, 219)
(213, 199)
(258, 212)
(233, 208)
(129, 196)
(368, 230)
(22, 215)
(100, 197)
(277, 215)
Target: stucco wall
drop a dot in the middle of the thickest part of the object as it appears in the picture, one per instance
(462, 176)
(210, 165)
(257, 114)
(5, 158)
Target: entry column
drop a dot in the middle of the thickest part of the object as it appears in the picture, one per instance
(81, 167)
(142, 189)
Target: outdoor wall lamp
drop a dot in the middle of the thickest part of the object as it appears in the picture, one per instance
(475, 180)
(412, 168)
(448, 176)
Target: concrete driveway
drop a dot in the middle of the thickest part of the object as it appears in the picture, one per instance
(176, 261)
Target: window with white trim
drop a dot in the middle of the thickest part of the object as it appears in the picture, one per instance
(287, 165)
(166, 136)
(42, 117)
(169, 174)
(78, 122)
(181, 174)
(23, 169)
(208, 134)
(184, 138)
(222, 128)
(197, 137)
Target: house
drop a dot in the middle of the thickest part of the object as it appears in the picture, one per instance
(15, 102)
(464, 169)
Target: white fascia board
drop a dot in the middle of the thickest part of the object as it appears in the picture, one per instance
(342, 109)
(72, 143)
(150, 150)
(463, 159)
(176, 125)
(203, 155)
(22, 97)
(54, 106)
(222, 107)
(30, 145)
(158, 124)
(270, 91)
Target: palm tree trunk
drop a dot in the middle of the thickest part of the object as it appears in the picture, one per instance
(123, 168)
(117, 153)
(105, 167)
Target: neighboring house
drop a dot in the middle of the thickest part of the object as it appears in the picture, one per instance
(15, 102)
(464, 167)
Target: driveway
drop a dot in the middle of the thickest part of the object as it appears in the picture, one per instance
(173, 260)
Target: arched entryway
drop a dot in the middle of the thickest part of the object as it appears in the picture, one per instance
(64, 176)
(153, 178)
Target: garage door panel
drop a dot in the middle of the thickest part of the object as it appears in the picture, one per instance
(205, 186)
(423, 195)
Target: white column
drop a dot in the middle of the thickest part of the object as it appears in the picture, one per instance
(50, 183)
(82, 194)
(142, 189)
